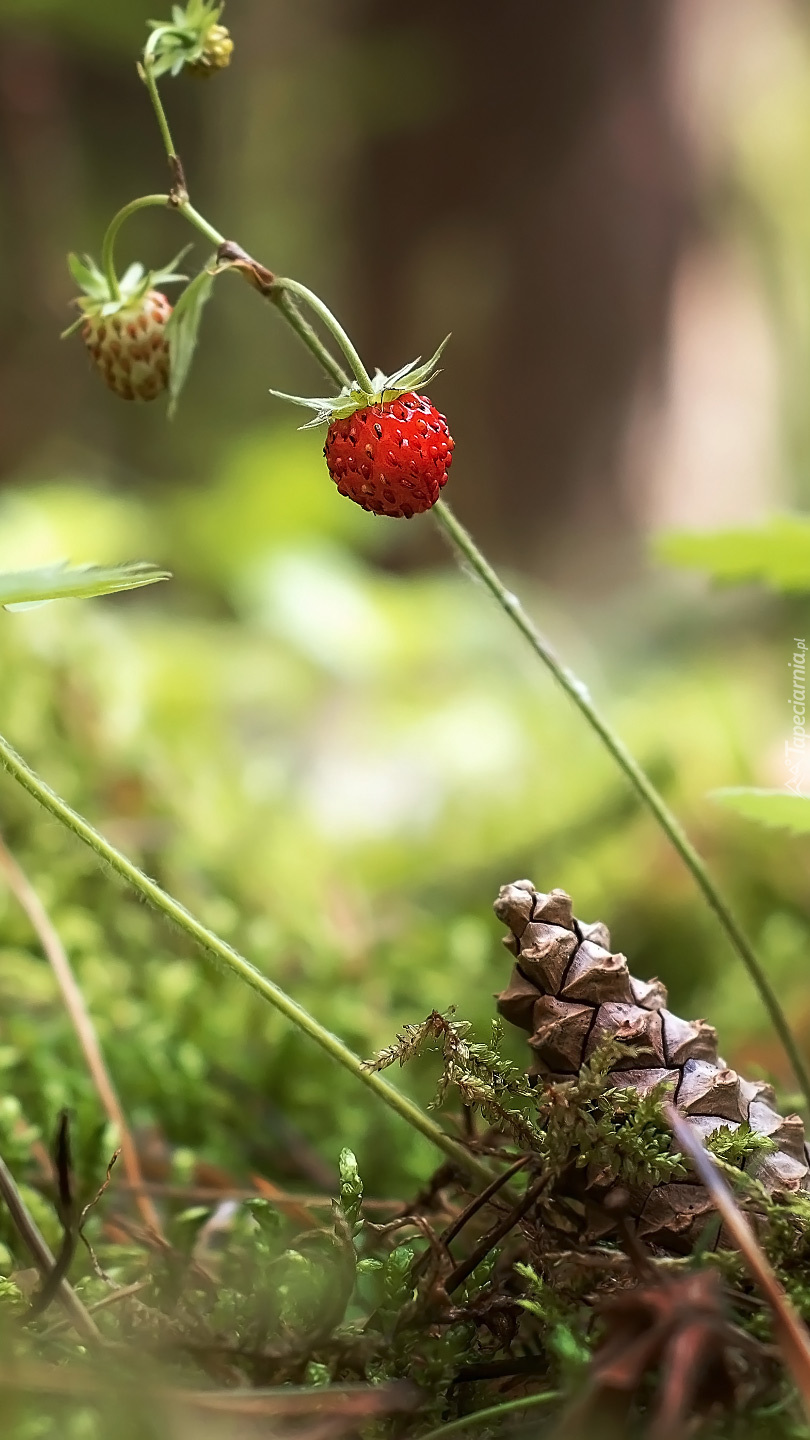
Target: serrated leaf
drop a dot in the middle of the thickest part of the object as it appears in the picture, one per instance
(182, 331)
(24, 588)
(776, 553)
(779, 809)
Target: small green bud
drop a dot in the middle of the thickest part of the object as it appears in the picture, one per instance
(217, 49)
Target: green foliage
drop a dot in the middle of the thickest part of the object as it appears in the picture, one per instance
(589, 1122)
(612, 1131)
(563, 1328)
(776, 553)
(480, 1074)
(23, 588)
(735, 1146)
(777, 809)
(182, 41)
(123, 710)
(182, 331)
(351, 1188)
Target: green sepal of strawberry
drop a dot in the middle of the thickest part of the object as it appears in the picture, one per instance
(385, 388)
(185, 40)
(97, 298)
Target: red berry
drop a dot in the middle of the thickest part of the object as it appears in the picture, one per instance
(392, 457)
(129, 348)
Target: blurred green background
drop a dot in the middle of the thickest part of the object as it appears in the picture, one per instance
(321, 736)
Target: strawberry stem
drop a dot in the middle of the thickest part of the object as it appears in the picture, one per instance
(199, 222)
(148, 77)
(111, 234)
(294, 287)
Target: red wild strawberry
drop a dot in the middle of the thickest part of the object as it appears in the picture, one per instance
(387, 448)
(125, 333)
(393, 457)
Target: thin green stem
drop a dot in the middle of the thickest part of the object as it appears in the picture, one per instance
(284, 302)
(147, 71)
(578, 692)
(334, 327)
(281, 293)
(492, 1413)
(237, 963)
(111, 234)
(200, 223)
(282, 297)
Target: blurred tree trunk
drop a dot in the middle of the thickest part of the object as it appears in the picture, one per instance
(532, 199)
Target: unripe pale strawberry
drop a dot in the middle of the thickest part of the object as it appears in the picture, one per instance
(125, 332)
(129, 349)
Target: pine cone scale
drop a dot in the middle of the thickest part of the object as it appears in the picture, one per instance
(572, 995)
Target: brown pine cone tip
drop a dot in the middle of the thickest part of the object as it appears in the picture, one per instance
(571, 994)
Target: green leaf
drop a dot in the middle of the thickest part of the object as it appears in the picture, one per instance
(351, 1187)
(23, 588)
(780, 809)
(777, 553)
(87, 275)
(182, 331)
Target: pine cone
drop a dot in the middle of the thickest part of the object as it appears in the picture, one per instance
(571, 994)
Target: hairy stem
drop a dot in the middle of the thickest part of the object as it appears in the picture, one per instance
(333, 325)
(236, 963)
(284, 302)
(111, 234)
(148, 76)
(199, 222)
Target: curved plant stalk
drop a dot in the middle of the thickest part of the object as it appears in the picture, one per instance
(493, 1414)
(333, 325)
(108, 244)
(29, 901)
(238, 964)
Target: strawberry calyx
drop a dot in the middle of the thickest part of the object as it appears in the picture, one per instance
(357, 396)
(99, 298)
